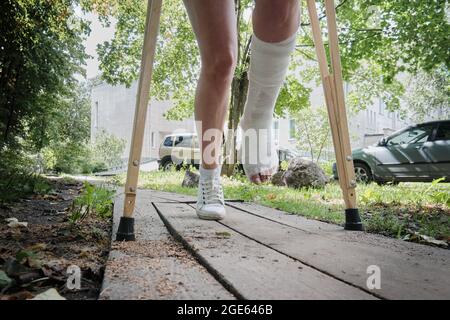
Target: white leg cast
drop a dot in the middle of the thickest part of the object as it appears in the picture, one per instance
(268, 67)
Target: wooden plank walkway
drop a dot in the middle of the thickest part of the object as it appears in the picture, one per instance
(262, 253)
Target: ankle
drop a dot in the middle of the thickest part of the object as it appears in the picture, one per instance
(208, 174)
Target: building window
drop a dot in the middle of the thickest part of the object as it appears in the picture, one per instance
(276, 131)
(153, 140)
(292, 129)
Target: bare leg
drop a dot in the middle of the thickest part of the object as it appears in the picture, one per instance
(214, 24)
(275, 24)
(274, 20)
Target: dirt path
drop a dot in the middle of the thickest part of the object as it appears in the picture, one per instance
(36, 256)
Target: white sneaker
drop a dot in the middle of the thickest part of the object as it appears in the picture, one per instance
(210, 201)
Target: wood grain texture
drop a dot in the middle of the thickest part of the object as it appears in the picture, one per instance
(247, 267)
(408, 270)
(155, 266)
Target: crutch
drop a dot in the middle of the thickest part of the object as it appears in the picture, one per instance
(335, 101)
(126, 225)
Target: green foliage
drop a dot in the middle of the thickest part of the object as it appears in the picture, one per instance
(17, 177)
(327, 166)
(93, 200)
(107, 150)
(284, 165)
(367, 86)
(402, 35)
(439, 196)
(41, 51)
(313, 133)
(294, 96)
(379, 39)
(177, 58)
(428, 92)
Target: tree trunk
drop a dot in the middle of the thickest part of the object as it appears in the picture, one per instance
(239, 88)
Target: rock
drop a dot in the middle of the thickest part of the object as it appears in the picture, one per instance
(5, 281)
(190, 179)
(278, 180)
(304, 173)
(50, 294)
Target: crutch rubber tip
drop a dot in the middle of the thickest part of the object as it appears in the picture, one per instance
(125, 232)
(353, 220)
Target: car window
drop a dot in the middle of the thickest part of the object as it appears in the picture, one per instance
(184, 141)
(168, 142)
(443, 132)
(413, 135)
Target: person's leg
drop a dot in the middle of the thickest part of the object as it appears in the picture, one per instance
(214, 24)
(275, 24)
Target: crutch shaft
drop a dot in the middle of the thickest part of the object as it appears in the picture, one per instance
(126, 229)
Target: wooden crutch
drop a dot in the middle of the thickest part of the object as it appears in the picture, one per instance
(335, 101)
(126, 225)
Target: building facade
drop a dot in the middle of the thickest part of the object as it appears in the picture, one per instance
(112, 110)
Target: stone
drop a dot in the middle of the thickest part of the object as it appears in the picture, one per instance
(278, 180)
(190, 179)
(304, 173)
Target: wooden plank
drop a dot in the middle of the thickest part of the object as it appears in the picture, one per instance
(293, 220)
(247, 268)
(142, 99)
(408, 270)
(155, 266)
(171, 196)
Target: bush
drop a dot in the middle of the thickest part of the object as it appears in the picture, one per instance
(18, 177)
(73, 157)
(107, 150)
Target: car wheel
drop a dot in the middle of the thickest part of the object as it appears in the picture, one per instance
(363, 173)
(167, 165)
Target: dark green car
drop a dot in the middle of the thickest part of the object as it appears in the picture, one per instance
(417, 153)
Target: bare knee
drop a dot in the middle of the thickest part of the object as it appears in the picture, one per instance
(276, 19)
(220, 65)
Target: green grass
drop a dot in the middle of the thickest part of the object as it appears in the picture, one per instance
(396, 211)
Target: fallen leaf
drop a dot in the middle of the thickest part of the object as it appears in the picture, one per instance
(14, 223)
(223, 234)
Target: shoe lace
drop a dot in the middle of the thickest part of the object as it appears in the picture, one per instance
(212, 191)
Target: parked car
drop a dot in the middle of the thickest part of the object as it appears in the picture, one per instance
(416, 153)
(179, 149)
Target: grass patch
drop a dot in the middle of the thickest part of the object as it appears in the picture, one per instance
(392, 210)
